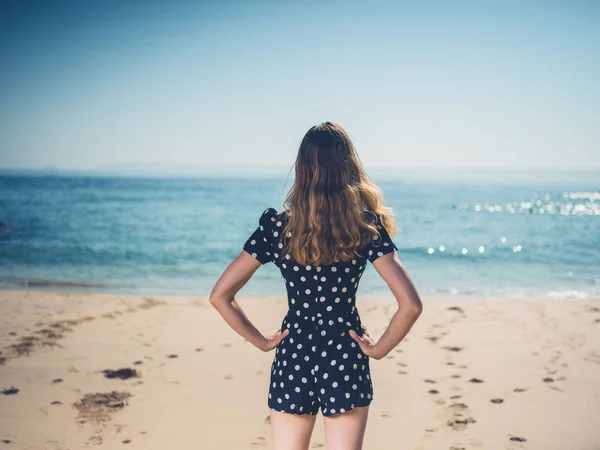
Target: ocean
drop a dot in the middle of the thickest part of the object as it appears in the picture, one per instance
(458, 237)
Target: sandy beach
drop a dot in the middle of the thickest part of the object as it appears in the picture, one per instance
(489, 374)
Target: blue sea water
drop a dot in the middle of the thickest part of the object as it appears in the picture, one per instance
(477, 238)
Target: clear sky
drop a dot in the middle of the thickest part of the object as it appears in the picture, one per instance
(88, 84)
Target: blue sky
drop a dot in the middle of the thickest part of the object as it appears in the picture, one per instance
(88, 84)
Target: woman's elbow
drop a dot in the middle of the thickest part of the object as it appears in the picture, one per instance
(414, 307)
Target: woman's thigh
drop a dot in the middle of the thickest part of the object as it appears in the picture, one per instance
(346, 431)
(291, 431)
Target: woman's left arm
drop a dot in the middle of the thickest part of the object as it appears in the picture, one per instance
(223, 299)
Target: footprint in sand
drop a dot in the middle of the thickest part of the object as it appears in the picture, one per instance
(548, 380)
(227, 344)
(517, 439)
(268, 420)
(199, 349)
(455, 375)
(452, 348)
(402, 372)
(10, 391)
(6, 441)
(386, 414)
(460, 424)
(475, 380)
(126, 441)
(433, 391)
(138, 362)
(259, 440)
(459, 406)
(172, 356)
(318, 445)
(427, 380)
(56, 402)
(455, 396)
(520, 389)
(57, 380)
(496, 400)
(228, 377)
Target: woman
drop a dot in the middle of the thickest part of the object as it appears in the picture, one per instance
(321, 243)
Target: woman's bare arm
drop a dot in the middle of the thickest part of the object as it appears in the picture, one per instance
(409, 309)
(223, 299)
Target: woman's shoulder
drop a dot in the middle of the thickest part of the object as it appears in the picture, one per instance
(271, 216)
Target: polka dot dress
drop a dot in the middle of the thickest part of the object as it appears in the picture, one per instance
(318, 364)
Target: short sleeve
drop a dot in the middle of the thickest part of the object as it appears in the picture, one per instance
(379, 247)
(260, 242)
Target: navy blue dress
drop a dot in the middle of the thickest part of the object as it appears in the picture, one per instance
(318, 364)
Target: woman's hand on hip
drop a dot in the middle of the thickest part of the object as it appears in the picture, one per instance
(273, 341)
(366, 343)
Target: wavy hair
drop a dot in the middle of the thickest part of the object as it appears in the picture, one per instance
(331, 204)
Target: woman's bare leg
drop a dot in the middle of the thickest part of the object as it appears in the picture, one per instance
(291, 431)
(346, 431)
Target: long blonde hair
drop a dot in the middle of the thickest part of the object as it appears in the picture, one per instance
(331, 203)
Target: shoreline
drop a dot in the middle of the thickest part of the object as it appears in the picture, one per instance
(75, 288)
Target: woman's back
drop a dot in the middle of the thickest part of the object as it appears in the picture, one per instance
(318, 363)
